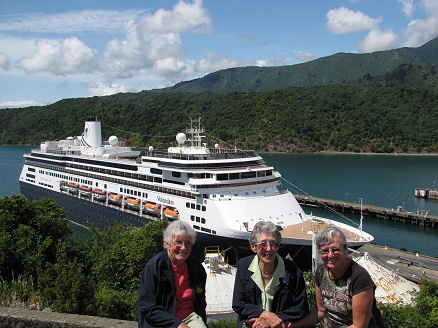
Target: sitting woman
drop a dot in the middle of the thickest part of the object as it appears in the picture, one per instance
(268, 291)
(172, 287)
(344, 290)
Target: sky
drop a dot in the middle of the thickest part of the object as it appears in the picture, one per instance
(52, 50)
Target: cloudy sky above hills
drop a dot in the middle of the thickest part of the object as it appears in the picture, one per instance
(68, 49)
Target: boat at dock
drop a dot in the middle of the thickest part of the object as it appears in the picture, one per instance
(222, 193)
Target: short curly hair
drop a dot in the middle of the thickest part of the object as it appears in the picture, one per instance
(178, 229)
(266, 227)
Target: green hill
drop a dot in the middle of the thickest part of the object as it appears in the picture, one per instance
(394, 112)
(338, 68)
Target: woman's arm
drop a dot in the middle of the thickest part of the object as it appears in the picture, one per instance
(315, 315)
(362, 306)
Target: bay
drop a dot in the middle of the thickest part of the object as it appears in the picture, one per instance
(381, 180)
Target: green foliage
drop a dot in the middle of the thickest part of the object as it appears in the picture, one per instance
(29, 235)
(222, 323)
(64, 286)
(117, 260)
(19, 293)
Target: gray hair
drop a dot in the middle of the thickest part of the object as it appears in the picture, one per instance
(326, 236)
(266, 227)
(178, 229)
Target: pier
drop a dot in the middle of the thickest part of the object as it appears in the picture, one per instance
(388, 214)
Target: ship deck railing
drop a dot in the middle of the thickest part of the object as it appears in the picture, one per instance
(214, 154)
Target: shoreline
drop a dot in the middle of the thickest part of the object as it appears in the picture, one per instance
(322, 152)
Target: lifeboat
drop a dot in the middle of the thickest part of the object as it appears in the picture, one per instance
(133, 203)
(115, 198)
(99, 194)
(85, 191)
(72, 188)
(152, 208)
(171, 213)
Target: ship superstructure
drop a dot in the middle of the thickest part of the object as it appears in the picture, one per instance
(220, 192)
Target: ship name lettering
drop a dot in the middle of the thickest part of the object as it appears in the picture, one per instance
(165, 200)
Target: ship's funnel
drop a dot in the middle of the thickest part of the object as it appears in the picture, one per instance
(92, 136)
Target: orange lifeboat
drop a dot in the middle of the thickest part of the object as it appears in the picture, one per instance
(152, 207)
(99, 194)
(115, 198)
(171, 213)
(85, 190)
(133, 203)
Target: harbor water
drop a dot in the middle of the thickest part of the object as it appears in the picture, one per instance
(381, 180)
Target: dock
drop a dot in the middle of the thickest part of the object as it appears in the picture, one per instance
(388, 214)
(412, 266)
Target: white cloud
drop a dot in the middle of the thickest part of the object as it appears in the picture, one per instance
(69, 56)
(104, 89)
(74, 21)
(183, 17)
(343, 20)
(420, 31)
(21, 103)
(153, 43)
(214, 62)
(4, 61)
(377, 40)
(408, 7)
(304, 56)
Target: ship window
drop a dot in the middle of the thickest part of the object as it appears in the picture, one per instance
(261, 173)
(205, 229)
(159, 180)
(198, 219)
(30, 176)
(31, 169)
(202, 220)
(188, 205)
(196, 227)
(192, 205)
(214, 232)
(203, 208)
(121, 189)
(176, 174)
(246, 175)
(234, 176)
(222, 177)
(198, 207)
(156, 171)
(268, 172)
(192, 217)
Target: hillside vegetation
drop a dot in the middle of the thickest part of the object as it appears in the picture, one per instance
(334, 69)
(394, 112)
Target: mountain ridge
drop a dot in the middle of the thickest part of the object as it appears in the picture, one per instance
(338, 68)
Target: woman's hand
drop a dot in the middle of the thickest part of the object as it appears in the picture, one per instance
(258, 323)
(273, 320)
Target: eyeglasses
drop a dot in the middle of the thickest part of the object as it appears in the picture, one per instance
(264, 245)
(186, 243)
(334, 250)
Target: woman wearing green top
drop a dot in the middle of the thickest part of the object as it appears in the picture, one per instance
(268, 291)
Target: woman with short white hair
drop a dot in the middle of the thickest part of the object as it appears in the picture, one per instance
(172, 287)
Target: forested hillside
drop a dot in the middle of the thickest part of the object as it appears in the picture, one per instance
(334, 69)
(397, 111)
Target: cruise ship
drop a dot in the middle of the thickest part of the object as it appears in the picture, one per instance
(222, 193)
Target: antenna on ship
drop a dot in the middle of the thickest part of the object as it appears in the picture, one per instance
(195, 133)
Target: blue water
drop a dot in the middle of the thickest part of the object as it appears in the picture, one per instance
(381, 180)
